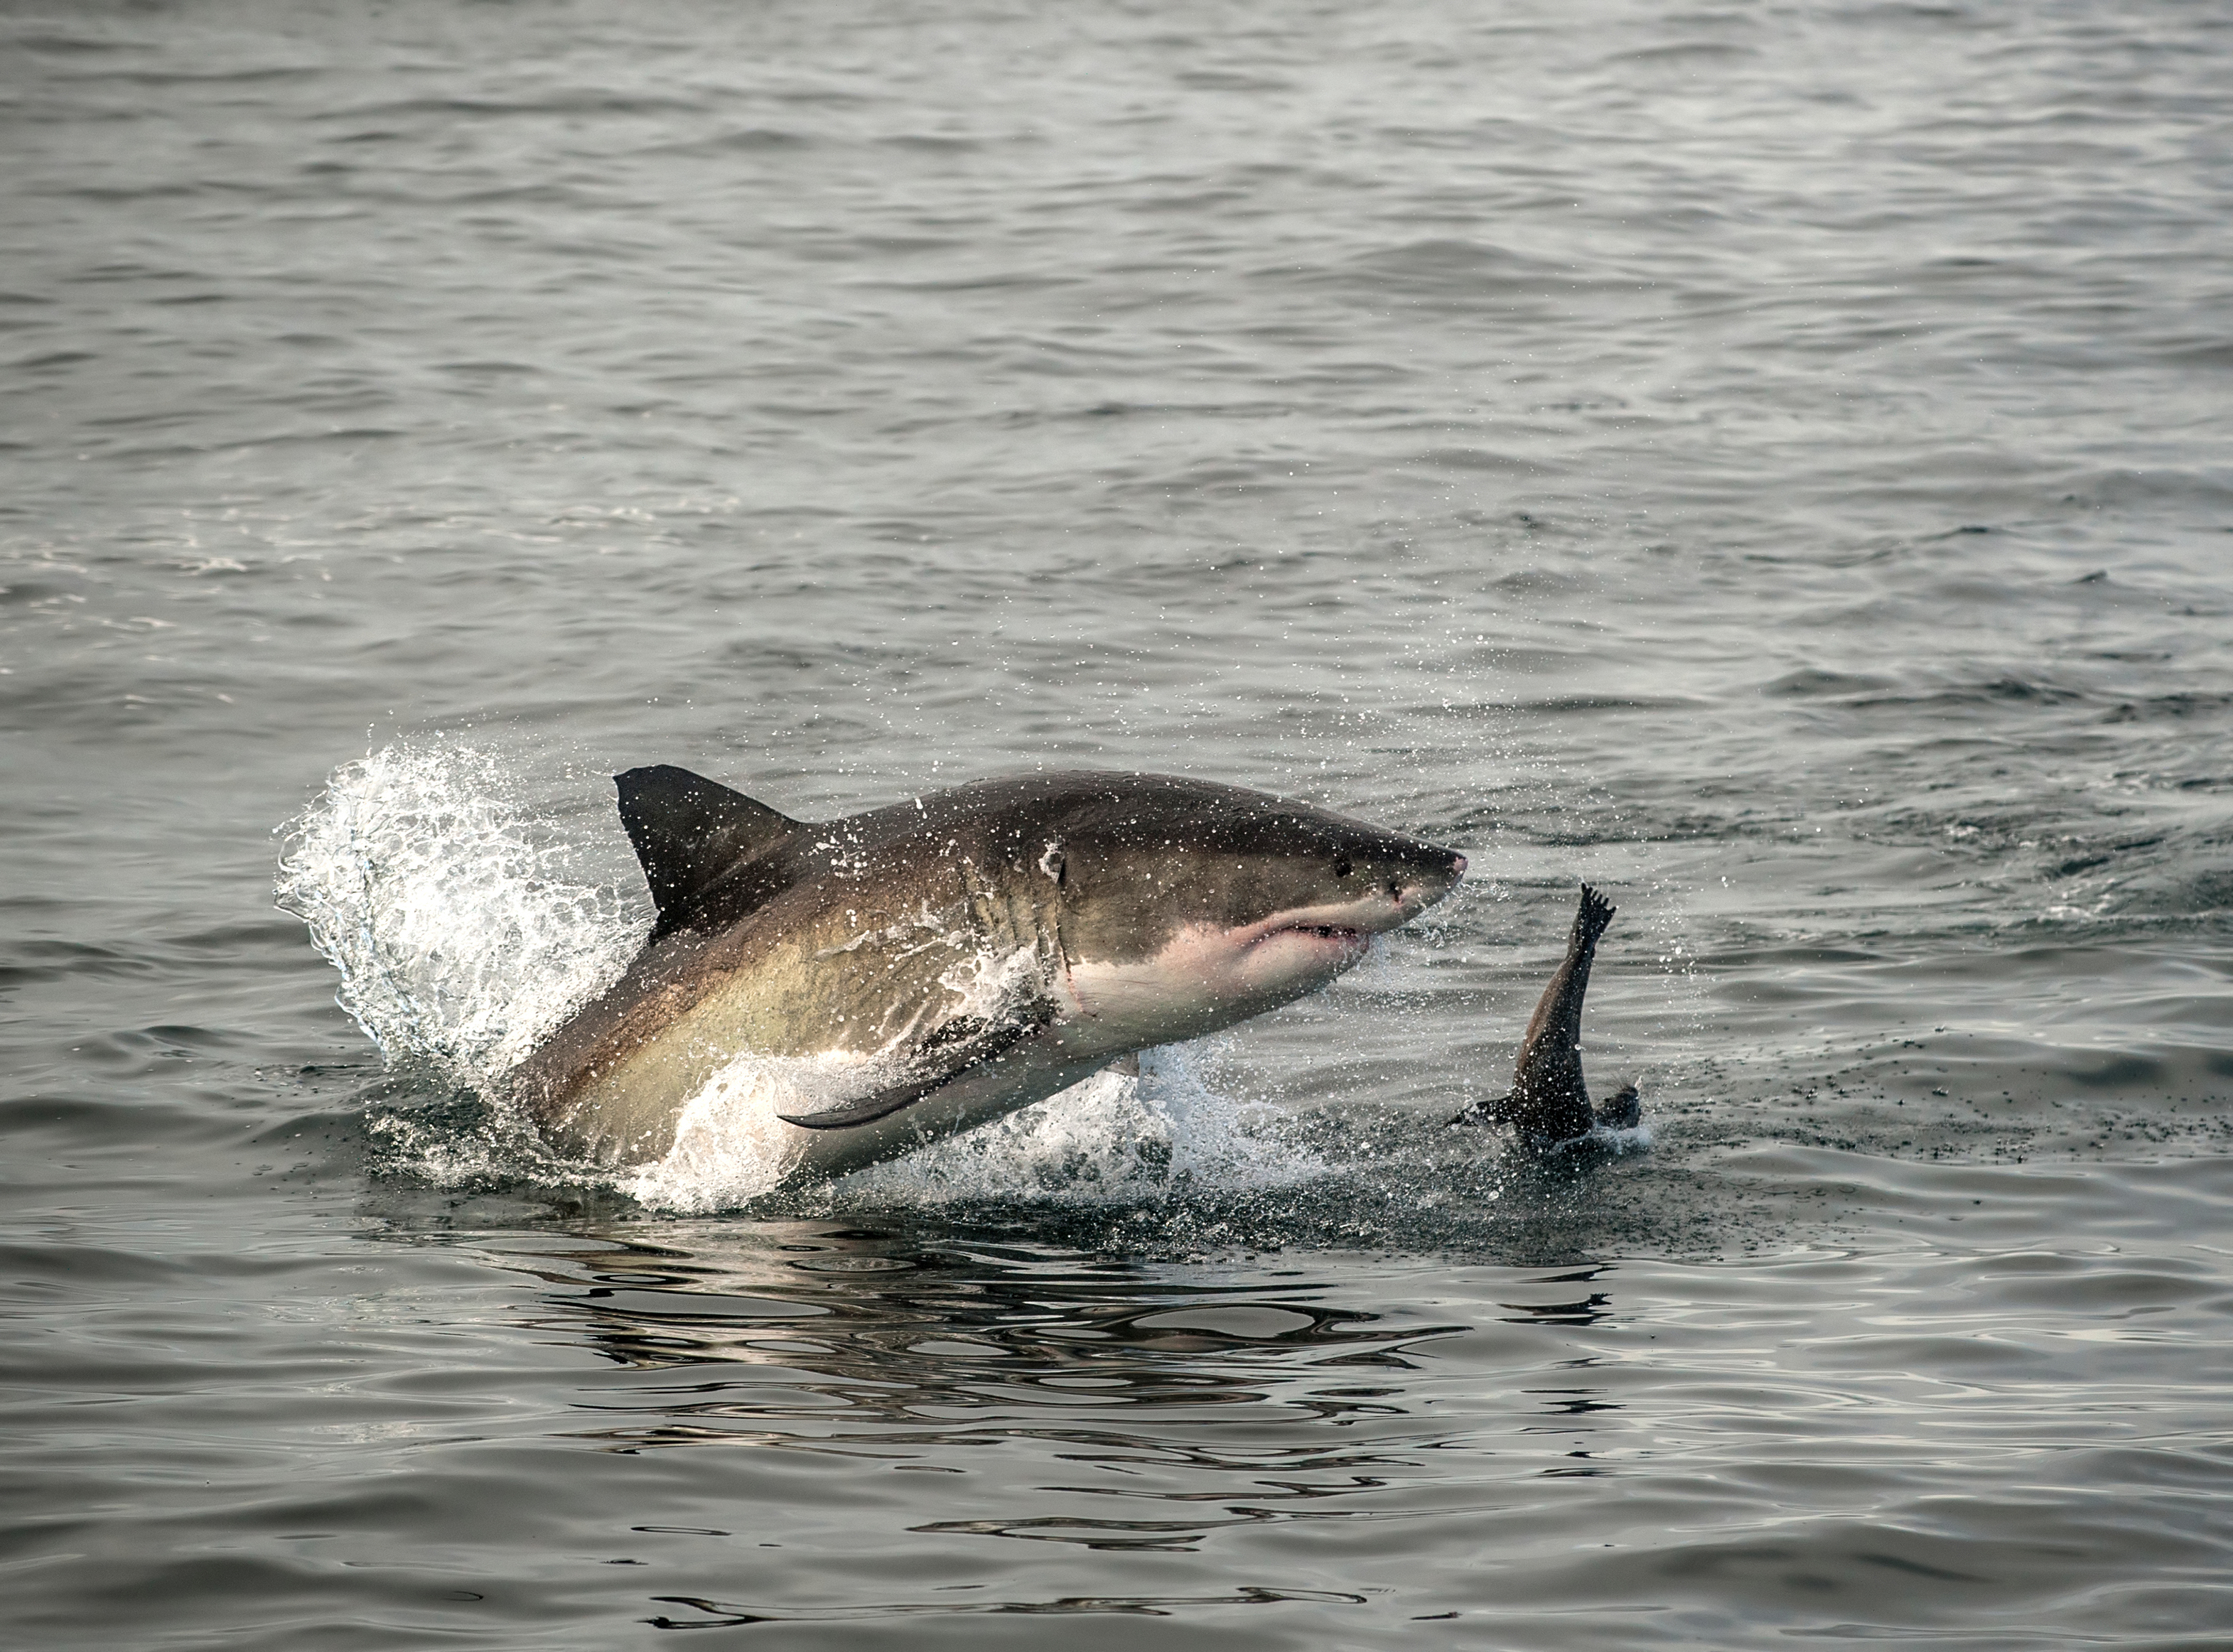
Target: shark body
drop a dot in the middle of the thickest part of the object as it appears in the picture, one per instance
(920, 969)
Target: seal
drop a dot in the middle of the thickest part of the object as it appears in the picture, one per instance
(845, 991)
(1549, 1104)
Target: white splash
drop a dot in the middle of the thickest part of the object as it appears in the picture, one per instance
(1637, 1138)
(1606, 1138)
(730, 1146)
(989, 983)
(461, 931)
(1115, 1138)
(465, 932)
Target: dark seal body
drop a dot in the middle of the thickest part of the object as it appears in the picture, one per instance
(1549, 1103)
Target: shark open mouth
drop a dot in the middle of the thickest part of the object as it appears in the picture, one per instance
(1343, 933)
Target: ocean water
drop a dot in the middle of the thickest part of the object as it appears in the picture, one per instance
(1772, 462)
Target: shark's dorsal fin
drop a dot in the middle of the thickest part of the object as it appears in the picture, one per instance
(691, 833)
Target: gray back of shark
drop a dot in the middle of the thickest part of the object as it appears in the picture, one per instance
(841, 992)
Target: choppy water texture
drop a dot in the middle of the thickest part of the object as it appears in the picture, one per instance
(1771, 462)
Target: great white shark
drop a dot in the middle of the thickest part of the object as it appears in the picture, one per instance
(929, 966)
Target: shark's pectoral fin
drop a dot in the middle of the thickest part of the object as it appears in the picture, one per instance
(954, 1048)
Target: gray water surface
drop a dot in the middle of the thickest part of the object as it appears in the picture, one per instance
(1772, 462)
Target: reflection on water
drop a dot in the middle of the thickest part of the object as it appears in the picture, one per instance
(905, 1420)
(722, 1614)
(1166, 1411)
(1118, 1381)
(835, 1339)
(902, 1426)
(1585, 1311)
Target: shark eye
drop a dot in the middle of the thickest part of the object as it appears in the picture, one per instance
(1341, 867)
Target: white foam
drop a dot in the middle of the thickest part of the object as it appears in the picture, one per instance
(1635, 1138)
(460, 926)
(730, 1148)
(1116, 1137)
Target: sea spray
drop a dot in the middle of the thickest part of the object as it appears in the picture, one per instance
(460, 921)
(1117, 1137)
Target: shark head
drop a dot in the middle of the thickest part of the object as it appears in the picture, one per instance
(1184, 906)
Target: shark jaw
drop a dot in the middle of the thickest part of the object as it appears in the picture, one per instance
(1207, 975)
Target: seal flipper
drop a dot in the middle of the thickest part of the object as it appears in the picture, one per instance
(692, 835)
(959, 1046)
(1549, 1101)
(1548, 1096)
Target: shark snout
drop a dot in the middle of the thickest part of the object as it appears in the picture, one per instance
(1415, 894)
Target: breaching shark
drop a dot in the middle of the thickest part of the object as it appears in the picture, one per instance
(921, 969)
